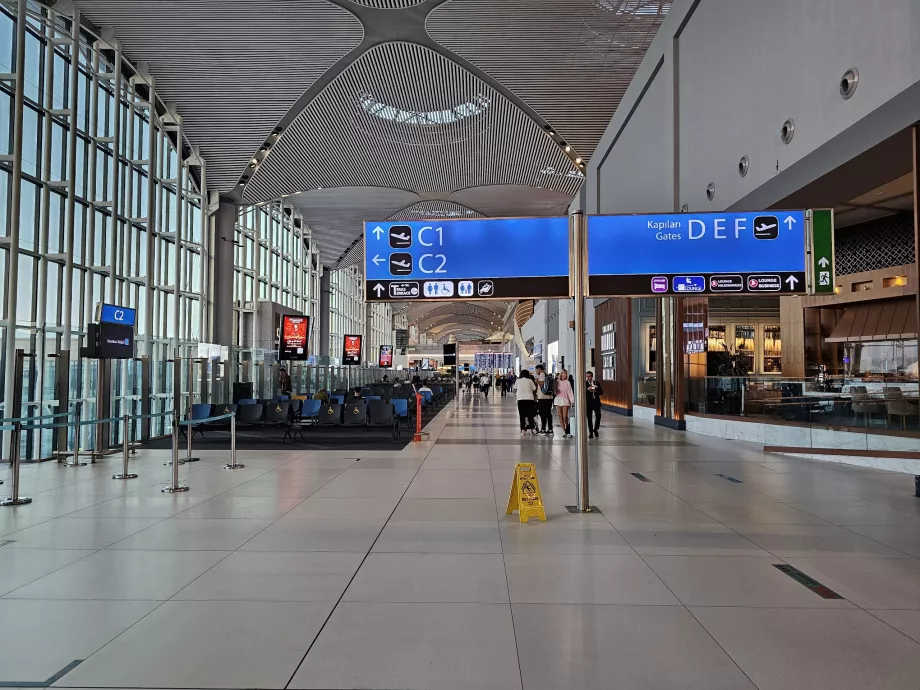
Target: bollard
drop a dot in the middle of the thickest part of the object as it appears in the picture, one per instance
(15, 499)
(175, 486)
(189, 432)
(125, 451)
(75, 460)
(233, 464)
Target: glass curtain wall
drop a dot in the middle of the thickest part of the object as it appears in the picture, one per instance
(109, 211)
(379, 330)
(346, 307)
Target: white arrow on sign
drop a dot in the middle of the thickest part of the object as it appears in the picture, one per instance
(823, 262)
(378, 231)
(377, 260)
(792, 281)
(378, 288)
(790, 221)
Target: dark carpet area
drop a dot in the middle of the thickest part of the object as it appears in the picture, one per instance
(314, 438)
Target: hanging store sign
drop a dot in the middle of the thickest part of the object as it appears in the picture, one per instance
(351, 351)
(756, 253)
(295, 332)
(470, 259)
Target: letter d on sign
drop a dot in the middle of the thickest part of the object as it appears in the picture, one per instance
(701, 229)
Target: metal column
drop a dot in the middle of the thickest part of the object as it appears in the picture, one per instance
(579, 283)
(12, 264)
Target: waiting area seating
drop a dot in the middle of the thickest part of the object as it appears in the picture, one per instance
(292, 417)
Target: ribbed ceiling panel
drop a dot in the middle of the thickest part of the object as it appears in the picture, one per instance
(435, 209)
(233, 67)
(388, 4)
(502, 201)
(403, 116)
(336, 216)
(570, 60)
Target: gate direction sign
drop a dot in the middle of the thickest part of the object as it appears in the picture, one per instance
(755, 253)
(466, 259)
(821, 262)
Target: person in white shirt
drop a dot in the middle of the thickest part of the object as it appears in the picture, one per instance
(525, 391)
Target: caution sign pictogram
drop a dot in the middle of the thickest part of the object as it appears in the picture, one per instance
(525, 493)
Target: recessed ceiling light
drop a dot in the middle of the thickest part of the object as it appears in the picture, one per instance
(578, 160)
(568, 148)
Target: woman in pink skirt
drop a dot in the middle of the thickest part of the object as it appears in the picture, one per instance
(565, 398)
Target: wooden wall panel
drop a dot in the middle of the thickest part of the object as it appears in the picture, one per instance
(792, 331)
(617, 311)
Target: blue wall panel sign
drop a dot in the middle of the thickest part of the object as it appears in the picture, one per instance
(111, 313)
(761, 252)
(489, 258)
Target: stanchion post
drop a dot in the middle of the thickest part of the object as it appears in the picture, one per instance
(175, 486)
(579, 262)
(189, 430)
(126, 449)
(418, 418)
(233, 464)
(75, 460)
(15, 499)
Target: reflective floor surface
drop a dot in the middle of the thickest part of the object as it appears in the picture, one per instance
(400, 570)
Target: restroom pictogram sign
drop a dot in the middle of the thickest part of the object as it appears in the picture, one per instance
(525, 493)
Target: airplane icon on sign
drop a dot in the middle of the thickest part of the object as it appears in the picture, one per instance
(766, 227)
(398, 236)
(402, 264)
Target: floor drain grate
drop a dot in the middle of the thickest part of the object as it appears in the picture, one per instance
(640, 477)
(812, 584)
(731, 479)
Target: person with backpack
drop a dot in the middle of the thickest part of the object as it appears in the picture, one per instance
(545, 393)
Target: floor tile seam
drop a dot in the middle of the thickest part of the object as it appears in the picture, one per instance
(351, 580)
(501, 544)
(851, 531)
(16, 589)
(730, 529)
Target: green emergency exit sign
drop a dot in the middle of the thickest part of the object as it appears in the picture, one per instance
(821, 251)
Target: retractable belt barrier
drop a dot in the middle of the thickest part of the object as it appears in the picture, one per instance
(16, 425)
(174, 485)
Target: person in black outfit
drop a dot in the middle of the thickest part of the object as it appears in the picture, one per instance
(593, 393)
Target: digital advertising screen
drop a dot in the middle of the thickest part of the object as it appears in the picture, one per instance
(385, 358)
(426, 364)
(351, 353)
(295, 332)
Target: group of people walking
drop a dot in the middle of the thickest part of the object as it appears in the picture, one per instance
(539, 393)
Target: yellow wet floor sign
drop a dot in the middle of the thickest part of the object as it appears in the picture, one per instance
(525, 493)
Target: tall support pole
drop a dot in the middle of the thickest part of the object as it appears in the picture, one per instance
(579, 259)
(12, 263)
(67, 290)
(916, 151)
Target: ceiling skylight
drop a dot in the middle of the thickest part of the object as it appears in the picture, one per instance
(372, 106)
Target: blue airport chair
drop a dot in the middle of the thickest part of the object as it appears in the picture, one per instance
(401, 409)
(199, 411)
(336, 399)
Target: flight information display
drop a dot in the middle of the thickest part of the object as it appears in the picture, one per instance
(472, 259)
(754, 253)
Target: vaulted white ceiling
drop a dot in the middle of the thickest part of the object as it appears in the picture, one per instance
(371, 109)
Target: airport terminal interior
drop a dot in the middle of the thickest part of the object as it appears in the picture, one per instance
(460, 344)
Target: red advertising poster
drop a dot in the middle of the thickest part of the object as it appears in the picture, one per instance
(295, 331)
(385, 360)
(351, 354)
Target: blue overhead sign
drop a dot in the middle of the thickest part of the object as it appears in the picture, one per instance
(494, 258)
(111, 313)
(703, 253)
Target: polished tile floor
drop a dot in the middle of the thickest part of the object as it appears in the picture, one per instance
(400, 570)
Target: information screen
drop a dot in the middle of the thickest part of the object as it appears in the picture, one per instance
(112, 313)
(351, 354)
(295, 332)
(385, 358)
(426, 364)
(489, 258)
(116, 341)
(450, 355)
(760, 252)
